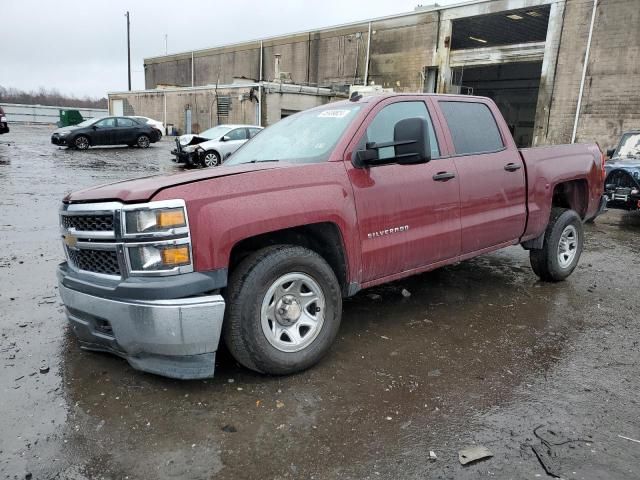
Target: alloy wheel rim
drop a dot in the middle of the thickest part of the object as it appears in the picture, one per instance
(568, 246)
(210, 160)
(82, 142)
(292, 313)
(143, 142)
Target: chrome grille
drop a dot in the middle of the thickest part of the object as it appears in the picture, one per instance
(88, 223)
(97, 261)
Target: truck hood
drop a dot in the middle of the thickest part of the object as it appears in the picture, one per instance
(143, 189)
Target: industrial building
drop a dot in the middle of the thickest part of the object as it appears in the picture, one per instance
(560, 70)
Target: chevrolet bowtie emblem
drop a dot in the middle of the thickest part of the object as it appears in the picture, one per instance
(70, 240)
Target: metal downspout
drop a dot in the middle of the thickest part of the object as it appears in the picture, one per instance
(366, 64)
(584, 72)
(259, 122)
(192, 70)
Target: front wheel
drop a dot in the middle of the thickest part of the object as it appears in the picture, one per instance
(563, 244)
(284, 310)
(210, 159)
(81, 142)
(143, 141)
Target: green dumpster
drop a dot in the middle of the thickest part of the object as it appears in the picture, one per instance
(69, 117)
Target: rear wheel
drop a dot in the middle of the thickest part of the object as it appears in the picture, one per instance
(81, 142)
(143, 141)
(562, 247)
(210, 159)
(284, 310)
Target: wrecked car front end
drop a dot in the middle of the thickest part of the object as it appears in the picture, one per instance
(188, 149)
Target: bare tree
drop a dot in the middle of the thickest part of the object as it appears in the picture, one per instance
(42, 96)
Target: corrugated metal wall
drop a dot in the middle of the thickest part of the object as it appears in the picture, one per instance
(19, 113)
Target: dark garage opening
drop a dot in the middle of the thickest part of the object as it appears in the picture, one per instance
(514, 88)
(504, 28)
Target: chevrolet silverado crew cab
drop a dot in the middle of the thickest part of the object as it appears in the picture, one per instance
(260, 251)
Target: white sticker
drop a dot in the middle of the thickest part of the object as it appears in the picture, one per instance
(334, 113)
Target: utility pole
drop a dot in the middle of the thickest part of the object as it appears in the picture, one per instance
(128, 51)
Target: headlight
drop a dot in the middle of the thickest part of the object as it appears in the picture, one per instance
(3, 119)
(159, 257)
(63, 133)
(190, 148)
(154, 220)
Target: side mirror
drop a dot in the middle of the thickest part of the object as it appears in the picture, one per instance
(95, 127)
(225, 138)
(410, 142)
(610, 152)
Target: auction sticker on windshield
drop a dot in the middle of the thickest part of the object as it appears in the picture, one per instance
(334, 113)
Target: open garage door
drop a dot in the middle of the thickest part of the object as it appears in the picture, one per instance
(514, 88)
(500, 56)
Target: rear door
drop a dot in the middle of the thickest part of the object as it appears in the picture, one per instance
(491, 171)
(408, 215)
(127, 130)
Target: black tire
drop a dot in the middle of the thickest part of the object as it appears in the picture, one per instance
(81, 142)
(248, 286)
(143, 141)
(546, 262)
(210, 158)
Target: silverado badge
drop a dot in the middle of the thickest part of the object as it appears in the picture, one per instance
(388, 231)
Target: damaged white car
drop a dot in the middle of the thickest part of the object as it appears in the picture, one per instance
(211, 147)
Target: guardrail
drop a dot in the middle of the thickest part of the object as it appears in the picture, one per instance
(20, 113)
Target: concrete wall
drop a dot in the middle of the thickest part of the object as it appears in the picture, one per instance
(202, 102)
(400, 49)
(611, 100)
(20, 113)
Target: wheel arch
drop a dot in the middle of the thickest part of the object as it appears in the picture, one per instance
(572, 194)
(324, 238)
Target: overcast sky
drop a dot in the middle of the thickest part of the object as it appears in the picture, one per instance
(79, 46)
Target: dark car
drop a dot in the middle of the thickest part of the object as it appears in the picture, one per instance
(4, 126)
(622, 185)
(106, 131)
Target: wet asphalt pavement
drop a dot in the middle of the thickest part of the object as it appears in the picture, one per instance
(481, 353)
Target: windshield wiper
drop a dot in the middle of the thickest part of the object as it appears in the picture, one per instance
(261, 161)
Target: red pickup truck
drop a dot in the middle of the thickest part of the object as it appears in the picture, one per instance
(260, 251)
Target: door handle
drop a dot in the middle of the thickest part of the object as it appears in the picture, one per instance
(443, 176)
(512, 167)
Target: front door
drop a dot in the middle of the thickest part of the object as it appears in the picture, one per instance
(127, 131)
(492, 176)
(408, 215)
(105, 131)
(236, 139)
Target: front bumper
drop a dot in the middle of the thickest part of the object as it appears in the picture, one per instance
(188, 158)
(58, 140)
(4, 127)
(175, 338)
(623, 199)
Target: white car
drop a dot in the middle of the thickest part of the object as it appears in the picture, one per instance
(211, 147)
(150, 121)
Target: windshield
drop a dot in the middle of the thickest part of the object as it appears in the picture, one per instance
(305, 137)
(214, 133)
(629, 146)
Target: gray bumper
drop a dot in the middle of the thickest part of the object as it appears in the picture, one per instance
(173, 338)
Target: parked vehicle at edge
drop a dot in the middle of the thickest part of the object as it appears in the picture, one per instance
(150, 121)
(211, 147)
(106, 131)
(261, 251)
(4, 124)
(622, 185)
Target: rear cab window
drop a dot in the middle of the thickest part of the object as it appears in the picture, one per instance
(473, 127)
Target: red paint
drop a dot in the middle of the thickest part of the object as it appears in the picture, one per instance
(483, 208)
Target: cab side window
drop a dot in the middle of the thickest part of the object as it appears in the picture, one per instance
(473, 127)
(237, 134)
(106, 123)
(126, 122)
(381, 128)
